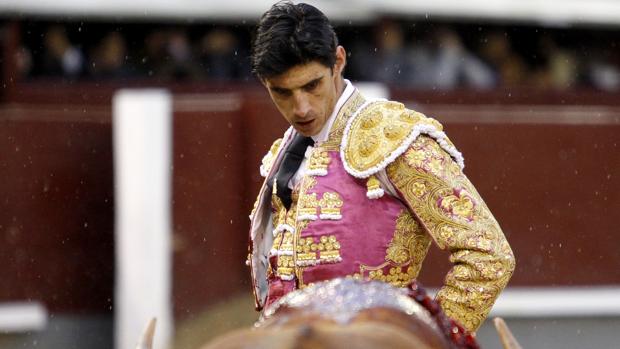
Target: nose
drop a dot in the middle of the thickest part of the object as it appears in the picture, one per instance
(301, 105)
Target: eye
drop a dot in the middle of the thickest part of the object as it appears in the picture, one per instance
(281, 92)
(312, 85)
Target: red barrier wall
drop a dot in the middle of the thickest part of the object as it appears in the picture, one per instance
(549, 172)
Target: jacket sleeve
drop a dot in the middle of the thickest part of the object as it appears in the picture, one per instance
(455, 216)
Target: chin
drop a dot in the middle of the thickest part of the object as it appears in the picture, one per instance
(305, 133)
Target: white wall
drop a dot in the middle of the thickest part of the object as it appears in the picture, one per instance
(142, 129)
(556, 12)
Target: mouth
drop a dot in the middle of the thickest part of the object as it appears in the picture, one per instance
(305, 123)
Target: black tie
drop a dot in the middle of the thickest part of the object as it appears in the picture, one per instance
(290, 164)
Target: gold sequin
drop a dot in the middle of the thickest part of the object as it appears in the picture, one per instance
(330, 203)
(308, 204)
(324, 250)
(319, 162)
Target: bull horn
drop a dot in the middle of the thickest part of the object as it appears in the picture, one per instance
(505, 336)
(146, 340)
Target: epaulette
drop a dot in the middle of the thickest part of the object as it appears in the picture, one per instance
(269, 158)
(380, 131)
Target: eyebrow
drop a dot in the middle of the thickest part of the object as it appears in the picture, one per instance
(282, 89)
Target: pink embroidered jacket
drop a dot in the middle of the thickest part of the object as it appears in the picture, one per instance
(343, 223)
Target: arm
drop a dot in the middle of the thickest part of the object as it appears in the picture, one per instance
(455, 216)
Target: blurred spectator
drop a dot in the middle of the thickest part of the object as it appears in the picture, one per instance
(389, 64)
(458, 67)
(449, 65)
(560, 70)
(421, 61)
(60, 57)
(153, 56)
(603, 69)
(435, 59)
(498, 52)
(179, 61)
(383, 60)
(23, 61)
(220, 55)
(109, 59)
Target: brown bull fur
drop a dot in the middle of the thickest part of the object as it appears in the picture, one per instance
(322, 335)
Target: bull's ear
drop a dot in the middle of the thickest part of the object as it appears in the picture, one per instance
(505, 336)
(146, 340)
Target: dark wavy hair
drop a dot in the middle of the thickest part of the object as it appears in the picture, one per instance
(288, 35)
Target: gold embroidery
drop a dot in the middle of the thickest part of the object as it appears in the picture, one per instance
(379, 131)
(318, 162)
(313, 252)
(331, 203)
(269, 158)
(329, 249)
(371, 120)
(399, 276)
(454, 214)
(372, 183)
(279, 215)
(282, 216)
(284, 240)
(286, 267)
(308, 205)
(369, 146)
(459, 204)
(404, 254)
(409, 244)
(415, 157)
(307, 183)
(285, 263)
(335, 134)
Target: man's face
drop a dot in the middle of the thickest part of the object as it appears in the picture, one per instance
(306, 94)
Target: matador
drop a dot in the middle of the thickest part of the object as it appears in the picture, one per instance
(360, 187)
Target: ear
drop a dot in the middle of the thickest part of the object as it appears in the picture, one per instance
(341, 60)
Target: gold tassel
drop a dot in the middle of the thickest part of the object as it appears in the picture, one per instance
(373, 188)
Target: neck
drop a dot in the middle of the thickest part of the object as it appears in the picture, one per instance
(339, 86)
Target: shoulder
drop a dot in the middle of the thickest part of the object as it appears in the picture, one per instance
(380, 131)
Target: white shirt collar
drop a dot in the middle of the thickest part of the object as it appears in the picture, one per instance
(348, 91)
